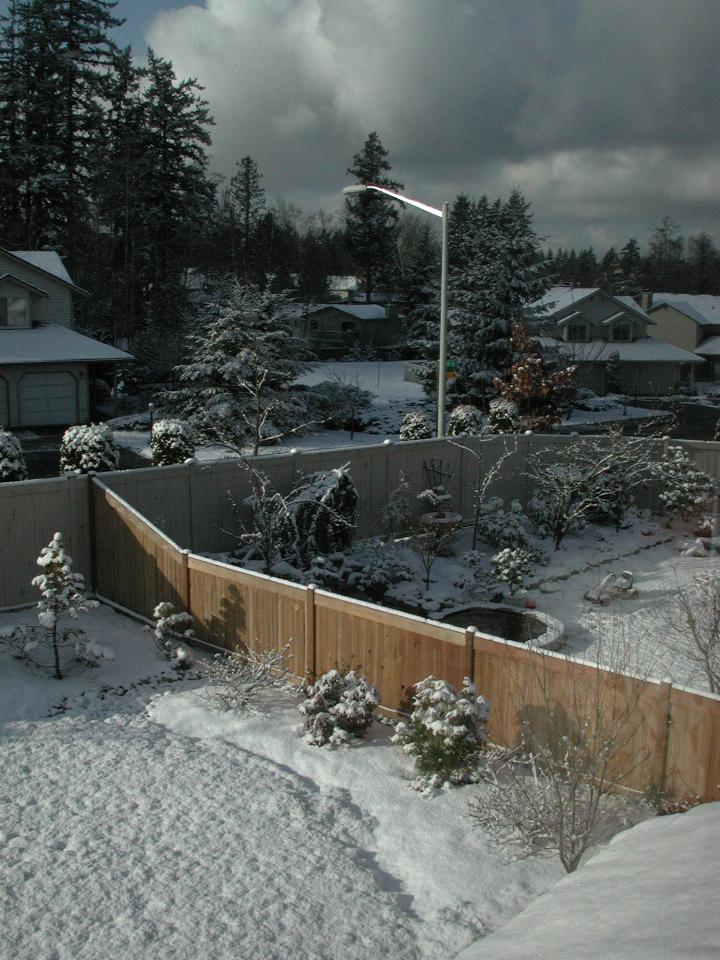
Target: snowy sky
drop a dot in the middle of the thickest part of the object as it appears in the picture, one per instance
(604, 112)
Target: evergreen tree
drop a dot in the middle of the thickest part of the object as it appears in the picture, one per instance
(371, 220)
(665, 255)
(703, 263)
(242, 208)
(631, 266)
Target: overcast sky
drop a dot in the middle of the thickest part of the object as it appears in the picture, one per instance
(604, 112)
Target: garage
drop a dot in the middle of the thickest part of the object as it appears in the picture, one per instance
(4, 404)
(48, 399)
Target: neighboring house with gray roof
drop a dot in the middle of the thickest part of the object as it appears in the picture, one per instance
(692, 322)
(45, 365)
(587, 325)
(332, 329)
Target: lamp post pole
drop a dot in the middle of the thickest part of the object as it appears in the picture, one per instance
(442, 355)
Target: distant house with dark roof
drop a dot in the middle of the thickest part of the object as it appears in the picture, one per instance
(332, 329)
(691, 321)
(45, 365)
(587, 325)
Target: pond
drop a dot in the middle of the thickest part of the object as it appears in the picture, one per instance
(500, 621)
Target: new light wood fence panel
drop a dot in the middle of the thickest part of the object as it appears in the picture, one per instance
(135, 564)
(233, 608)
(693, 763)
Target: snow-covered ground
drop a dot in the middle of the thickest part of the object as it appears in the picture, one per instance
(137, 822)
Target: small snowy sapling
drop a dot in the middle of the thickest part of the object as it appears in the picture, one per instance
(511, 565)
(445, 733)
(338, 707)
(239, 677)
(88, 447)
(12, 462)
(170, 631)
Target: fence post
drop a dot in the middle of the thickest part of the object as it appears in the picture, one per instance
(310, 655)
(469, 658)
(92, 530)
(185, 580)
(664, 744)
(191, 464)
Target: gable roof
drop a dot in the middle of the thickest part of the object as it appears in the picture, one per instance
(23, 283)
(361, 311)
(641, 350)
(47, 262)
(558, 298)
(51, 343)
(704, 309)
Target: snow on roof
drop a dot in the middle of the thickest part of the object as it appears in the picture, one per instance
(557, 298)
(54, 344)
(47, 260)
(642, 350)
(630, 303)
(361, 311)
(709, 347)
(702, 308)
(647, 896)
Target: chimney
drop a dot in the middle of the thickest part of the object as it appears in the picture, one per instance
(646, 299)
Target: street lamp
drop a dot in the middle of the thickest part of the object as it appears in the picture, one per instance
(442, 358)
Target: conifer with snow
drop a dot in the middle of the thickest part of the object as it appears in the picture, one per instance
(338, 707)
(322, 513)
(12, 462)
(415, 426)
(685, 488)
(465, 420)
(503, 416)
(511, 565)
(88, 447)
(171, 441)
(445, 733)
(171, 630)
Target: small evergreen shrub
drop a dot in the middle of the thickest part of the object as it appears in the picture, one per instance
(446, 732)
(502, 527)
(685, 488)
(12, 462)
(511, 565)
(171, 441)
(170, 630)
(337, 708)
(415, 426)
(88, 447)
(503, 417)
(320, 515)
(398, 511)
(465, 420)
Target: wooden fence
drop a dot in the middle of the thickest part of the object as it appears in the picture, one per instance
(671, 739)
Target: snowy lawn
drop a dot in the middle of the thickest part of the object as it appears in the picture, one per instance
(137, 822)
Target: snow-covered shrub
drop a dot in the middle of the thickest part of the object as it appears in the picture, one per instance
(170, 631)
(337, 404)
(511, 565)
(475, 578)
(62, 593)
(685, 488)
(501, 527)
(322, 514)
(445, 733)
(415, 426)
(171, 441)
(503, 416)
(237, 678)
(12, 462)
(465, 420)
(368, 571)
(337, 708)
(88, 447)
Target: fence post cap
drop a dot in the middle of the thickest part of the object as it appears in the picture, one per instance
(191, 461)
(387, 442)
(311, 586)
(294, 450)
(186, 552)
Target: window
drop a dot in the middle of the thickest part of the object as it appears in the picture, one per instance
(621, 331)
(14, 312)
(577, 331)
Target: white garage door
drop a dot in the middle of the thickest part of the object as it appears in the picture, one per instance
(47, 399)
(4, 411)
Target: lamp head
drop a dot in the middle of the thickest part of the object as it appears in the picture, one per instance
(355, 188)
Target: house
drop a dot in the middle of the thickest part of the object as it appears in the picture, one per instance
(45, 365)
(587, 325)
(332, 329)
(692, 322)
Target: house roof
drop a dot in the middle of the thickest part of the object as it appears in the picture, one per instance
(45, 261)
(51, 343)
(702, 308)
(361, 311)
(642, 350)
(23, 283)
(709, 347)
(558, 298)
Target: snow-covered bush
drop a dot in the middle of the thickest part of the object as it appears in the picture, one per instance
(88, 447)
(445, 733)
(398, 511)
(685, 488)
(237, 678)
(12, 462)
(503, 416)
(62, 593)
(475, 578)
(337, 708)
(511, 565)
(465, 420)
(501, 527)
(337, 404)
(322, 514)
(368, 571)
(171, 441)
(415, 426)
(170, 631)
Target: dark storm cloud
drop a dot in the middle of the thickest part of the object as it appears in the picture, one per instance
(603, 112)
